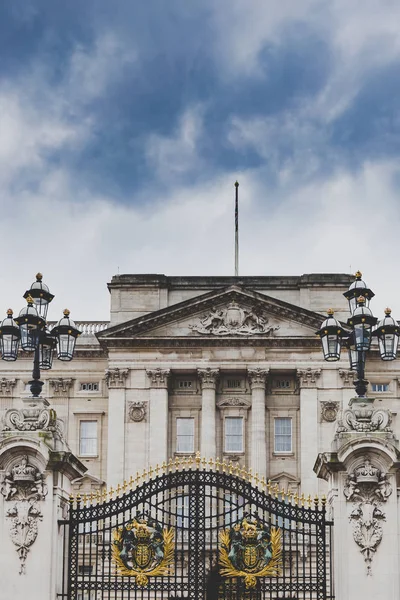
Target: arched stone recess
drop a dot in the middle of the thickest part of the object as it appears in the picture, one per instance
(24, 487)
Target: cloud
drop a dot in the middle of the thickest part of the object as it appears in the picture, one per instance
(177, 154)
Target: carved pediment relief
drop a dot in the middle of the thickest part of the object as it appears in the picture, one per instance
(234, 320)
(229, 402)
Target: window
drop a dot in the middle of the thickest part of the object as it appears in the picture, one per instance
(185, 384)
(185, 435)
(182, 512)
(282, 384)
(233, 383)
(380, 387)
(283, 434)
(233, 508)
(233, 434)
(85, 569)
(90, 386)
(88, 438)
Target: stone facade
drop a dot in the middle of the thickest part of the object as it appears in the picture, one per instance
(229, 367)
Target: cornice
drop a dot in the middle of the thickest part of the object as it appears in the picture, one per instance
(199, 342)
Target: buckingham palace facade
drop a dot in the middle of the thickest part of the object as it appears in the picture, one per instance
(226, 368)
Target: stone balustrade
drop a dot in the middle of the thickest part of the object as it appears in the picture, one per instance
(87, 327)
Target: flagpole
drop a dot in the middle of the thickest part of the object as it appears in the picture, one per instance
(237, 229)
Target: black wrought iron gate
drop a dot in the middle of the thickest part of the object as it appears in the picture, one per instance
(198, 531)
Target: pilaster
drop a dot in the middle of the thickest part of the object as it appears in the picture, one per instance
(308, 427)
(258, 452)
(158, 415)
(116, 382)
(208, 381)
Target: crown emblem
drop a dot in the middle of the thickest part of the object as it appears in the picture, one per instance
(367, 473)
(23, 472)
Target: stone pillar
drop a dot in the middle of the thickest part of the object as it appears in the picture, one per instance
(308, 428)
(258, 450)
(116, 382)
(208, 380)
(36, 469)
(158, 448)
(362, 471)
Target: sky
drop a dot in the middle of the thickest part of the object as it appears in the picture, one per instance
(124, 125)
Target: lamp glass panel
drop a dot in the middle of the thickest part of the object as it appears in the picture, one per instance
(9, 346)
(29, 336)
(388, 346)
(331, 347)
(45, 356)
(65, 346)
(362, 335)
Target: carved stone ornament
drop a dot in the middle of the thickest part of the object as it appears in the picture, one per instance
(329, 410)
(348, 376)
(35, 416)
(60, 386)
(7, 386)
(308, 377)
(362, 416)
(24, 487)
(116, 378)
(232, 402)
(368, 487)
(137, 411)
(257, 377)
(208, 377)
(234, 320)
(158, 377)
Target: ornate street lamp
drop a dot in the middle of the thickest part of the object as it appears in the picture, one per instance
(30, 331)
(362, 328)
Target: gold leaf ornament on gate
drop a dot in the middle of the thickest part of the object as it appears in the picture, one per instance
(143, 549)
(250, 549)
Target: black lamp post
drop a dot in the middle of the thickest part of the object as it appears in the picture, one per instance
(358, 339)
(30, 331)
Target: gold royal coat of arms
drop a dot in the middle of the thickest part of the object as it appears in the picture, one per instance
(143, 549)
(250, 549)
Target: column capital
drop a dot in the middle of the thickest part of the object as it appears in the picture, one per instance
(308, 377)
(208, 377)
(348, 377)
(158, 377)
(257, 377)
(116, 378)
(61, 386)
(7, 386)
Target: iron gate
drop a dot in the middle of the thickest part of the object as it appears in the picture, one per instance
(197, 530)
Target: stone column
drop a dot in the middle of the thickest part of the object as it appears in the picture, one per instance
(208, 379)
(362, 470)
(36, 470)
(116, 381)
(258, 448)
(308, 428)
(158, 447)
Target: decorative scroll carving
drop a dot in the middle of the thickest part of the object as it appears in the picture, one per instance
(24, 486)
(158, 377)
(137, 411)
(35, 416)
(348, 376)
(208, 377)
(362, 416)
(61, 386)
(234, 320)
(116, 378)
(368, 487)
(228, 402)
(308, 377)
(257, 377)
(7, 386)
(329, 410)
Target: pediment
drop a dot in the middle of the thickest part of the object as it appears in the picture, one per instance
(233, 313)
